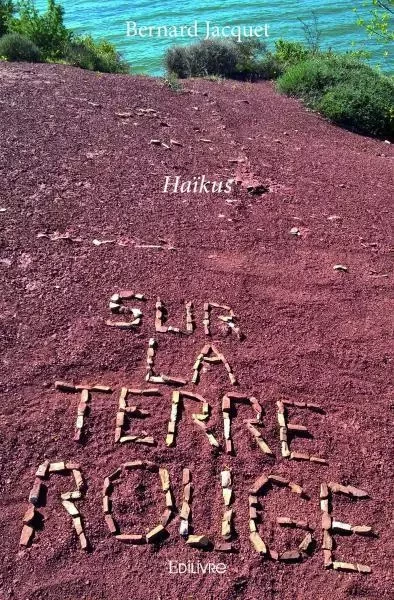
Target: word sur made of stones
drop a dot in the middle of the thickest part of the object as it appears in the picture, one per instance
(132, 316)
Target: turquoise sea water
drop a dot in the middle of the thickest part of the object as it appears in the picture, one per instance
(107, 19)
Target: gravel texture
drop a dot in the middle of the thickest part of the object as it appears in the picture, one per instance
(77, 164)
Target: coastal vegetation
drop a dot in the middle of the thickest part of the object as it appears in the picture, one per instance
(342, 87)
(26, 34)
(248, 60)
(344, 90)
(16, 47)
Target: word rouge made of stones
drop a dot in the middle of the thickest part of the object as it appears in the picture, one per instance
(159, 531)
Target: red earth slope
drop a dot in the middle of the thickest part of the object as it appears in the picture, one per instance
(76, 158)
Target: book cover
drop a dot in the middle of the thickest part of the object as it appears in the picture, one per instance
(196, 211)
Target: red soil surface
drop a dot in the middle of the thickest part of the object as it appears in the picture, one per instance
(69, 164)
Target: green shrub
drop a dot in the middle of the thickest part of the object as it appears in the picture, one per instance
(366, 110)
(55, 43)
(100, 56)
(267, 68)
(212, 57)
(249, 56)
(255, 61)
(345, 90)
(208, 57)
(311, 78)
(6, 12)
(308, 79)
(46, 30)
(172, 82)
(248, 59)
(78, 55)
(15, 47)
(291, 53)
(177, 61)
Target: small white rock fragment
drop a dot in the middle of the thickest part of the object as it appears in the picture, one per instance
(342, 268)
(100, 242)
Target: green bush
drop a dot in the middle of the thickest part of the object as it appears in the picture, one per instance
(311, 78)
(6, 12)
(172, 82)
(255, 61)
(249, 55)
(212, 57)
(290, 53)
(248, 59)
(208, 57)
(15, 47)
(308, 79)
(46, 30)
(177, 61)
(364, 110)
(345, 90)
(267, 68)
(55, 43)
(100, 56)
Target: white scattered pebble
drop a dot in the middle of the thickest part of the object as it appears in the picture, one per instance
(99, 243)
